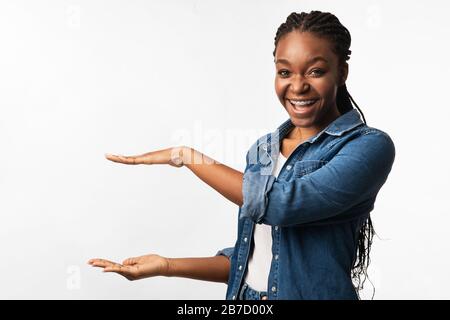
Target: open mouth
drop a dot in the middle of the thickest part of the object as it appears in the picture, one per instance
(302, 106)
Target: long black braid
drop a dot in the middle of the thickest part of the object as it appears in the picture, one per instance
(328, 26)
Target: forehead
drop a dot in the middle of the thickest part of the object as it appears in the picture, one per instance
(298, 47)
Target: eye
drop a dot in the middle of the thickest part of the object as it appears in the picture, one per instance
(317, 72)
(283, 73)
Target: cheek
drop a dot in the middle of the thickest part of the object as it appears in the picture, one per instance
(280, 88)
(327, 89)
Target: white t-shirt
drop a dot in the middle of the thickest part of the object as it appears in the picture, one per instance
(261, 258)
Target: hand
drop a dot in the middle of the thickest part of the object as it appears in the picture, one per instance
(172, 156)
(150, 265)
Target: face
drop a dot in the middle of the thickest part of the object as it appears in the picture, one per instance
(308, 75)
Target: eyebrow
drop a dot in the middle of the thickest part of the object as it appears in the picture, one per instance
(315, 59)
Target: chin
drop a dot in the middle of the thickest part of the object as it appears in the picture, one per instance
(302, 123)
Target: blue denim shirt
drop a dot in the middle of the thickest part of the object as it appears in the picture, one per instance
(316, 207)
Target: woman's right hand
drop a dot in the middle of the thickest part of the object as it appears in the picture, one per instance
(136, 268)
(172, 156)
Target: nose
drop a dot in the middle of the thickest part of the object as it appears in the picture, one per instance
(299, 85)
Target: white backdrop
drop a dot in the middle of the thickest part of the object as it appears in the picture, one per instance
(81, 78)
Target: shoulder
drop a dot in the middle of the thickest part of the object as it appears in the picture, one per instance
(366, 130)
(370, 145)
(374, 136)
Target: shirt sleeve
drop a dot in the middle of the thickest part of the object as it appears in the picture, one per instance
(353, 175)
(227, 252)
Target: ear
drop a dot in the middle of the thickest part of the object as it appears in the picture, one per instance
(343, 73)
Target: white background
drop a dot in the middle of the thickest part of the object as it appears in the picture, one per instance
(81, 78)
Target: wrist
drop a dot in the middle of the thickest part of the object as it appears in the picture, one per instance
(168, 268)
(186, 155)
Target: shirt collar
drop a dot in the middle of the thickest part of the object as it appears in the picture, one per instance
(339, 126)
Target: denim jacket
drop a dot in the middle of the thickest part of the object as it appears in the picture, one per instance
(316, 207)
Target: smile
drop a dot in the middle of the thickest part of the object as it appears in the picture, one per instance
(302, 102)
(302, 106)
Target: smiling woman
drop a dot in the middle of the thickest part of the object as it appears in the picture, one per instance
(305, 196)
(307, 79)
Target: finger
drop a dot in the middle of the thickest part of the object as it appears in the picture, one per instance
(92, 261)
(129, 261)
(124, 159)
(118, 268)
(139, 159)
(101, 263)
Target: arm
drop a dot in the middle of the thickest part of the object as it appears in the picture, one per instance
(214, 268)
(225, 180)
(354, 174)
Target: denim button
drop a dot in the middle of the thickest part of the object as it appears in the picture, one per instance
(240, 267)
(245, 239)
(234, 297)
(274, 289)
(289, 167)
(276, 228)
(264, 147)
(276, 257)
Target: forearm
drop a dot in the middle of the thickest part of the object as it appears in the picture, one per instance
(214, 269)
(225, 180)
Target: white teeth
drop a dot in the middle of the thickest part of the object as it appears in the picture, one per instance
(302, 102)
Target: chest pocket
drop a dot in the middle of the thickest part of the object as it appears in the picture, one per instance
(304, 167)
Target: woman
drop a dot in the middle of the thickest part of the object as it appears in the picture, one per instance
(305, 197)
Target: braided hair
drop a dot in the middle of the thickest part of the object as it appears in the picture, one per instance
(328, 26)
